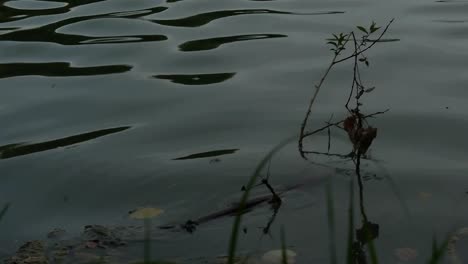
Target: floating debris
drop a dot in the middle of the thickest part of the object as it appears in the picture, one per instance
(406, 254)
(32, 252)
(276, 257)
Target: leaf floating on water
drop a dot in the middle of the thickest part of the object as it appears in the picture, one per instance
(406, 254)
(145, 213)
(276, 257)
(424, 195)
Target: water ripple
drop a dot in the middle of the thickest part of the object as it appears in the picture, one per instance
(213, 43)
(11, 13)
(34, 5)
(208, 154)
(205, 18)
(197, 79)
(57, 69)
(48, 33)
(21, 149)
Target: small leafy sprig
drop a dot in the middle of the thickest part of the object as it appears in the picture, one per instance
(360, 45)
(372, 28)
(338, 42)
(365, 38)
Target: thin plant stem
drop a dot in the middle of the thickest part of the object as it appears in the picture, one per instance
(373, 42)
(4, 210)
(331, 221)
(311, 102)
(350, 254)
(284, 254)
(147, 242)
(253, 178)
(340, 122)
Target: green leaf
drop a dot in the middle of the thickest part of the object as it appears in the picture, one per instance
(245, 196)
(362, 29)
(332, 43)
(368, 90)
(374, 29)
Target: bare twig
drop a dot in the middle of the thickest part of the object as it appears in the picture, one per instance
(354, 74)
(329, 134)
(357, 51)
(347, 156)
(311, 102)
(340, 122)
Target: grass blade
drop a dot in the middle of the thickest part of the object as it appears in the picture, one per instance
(284, 257)
(245, 196)
(350, 257)
(372, 252)
(438, 251)
(331, 221)
(4, 210)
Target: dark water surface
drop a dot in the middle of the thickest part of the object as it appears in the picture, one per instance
(108, 105)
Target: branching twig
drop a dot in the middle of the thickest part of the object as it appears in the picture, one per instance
(340, 122)
(311, 102)
(373, 42)
(342, 40)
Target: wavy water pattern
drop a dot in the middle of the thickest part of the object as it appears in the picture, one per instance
(57, 69)
(9, 14)
(209, 87)
(197, 79)
(213, 43)
(49, 34)
(205, 18)
(21, 149)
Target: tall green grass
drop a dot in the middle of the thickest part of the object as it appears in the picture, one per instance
(284, 253)
(438, 251)
(331, 221)
(350, 242)
(252, 180)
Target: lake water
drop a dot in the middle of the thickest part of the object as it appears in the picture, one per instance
(107, 94)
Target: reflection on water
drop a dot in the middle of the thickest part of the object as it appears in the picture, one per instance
(205, 18)
(197, 79)
(213, 43)
(49, 34)
(56, 69)
(20, 149)
(208, 154)
(12, 14)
